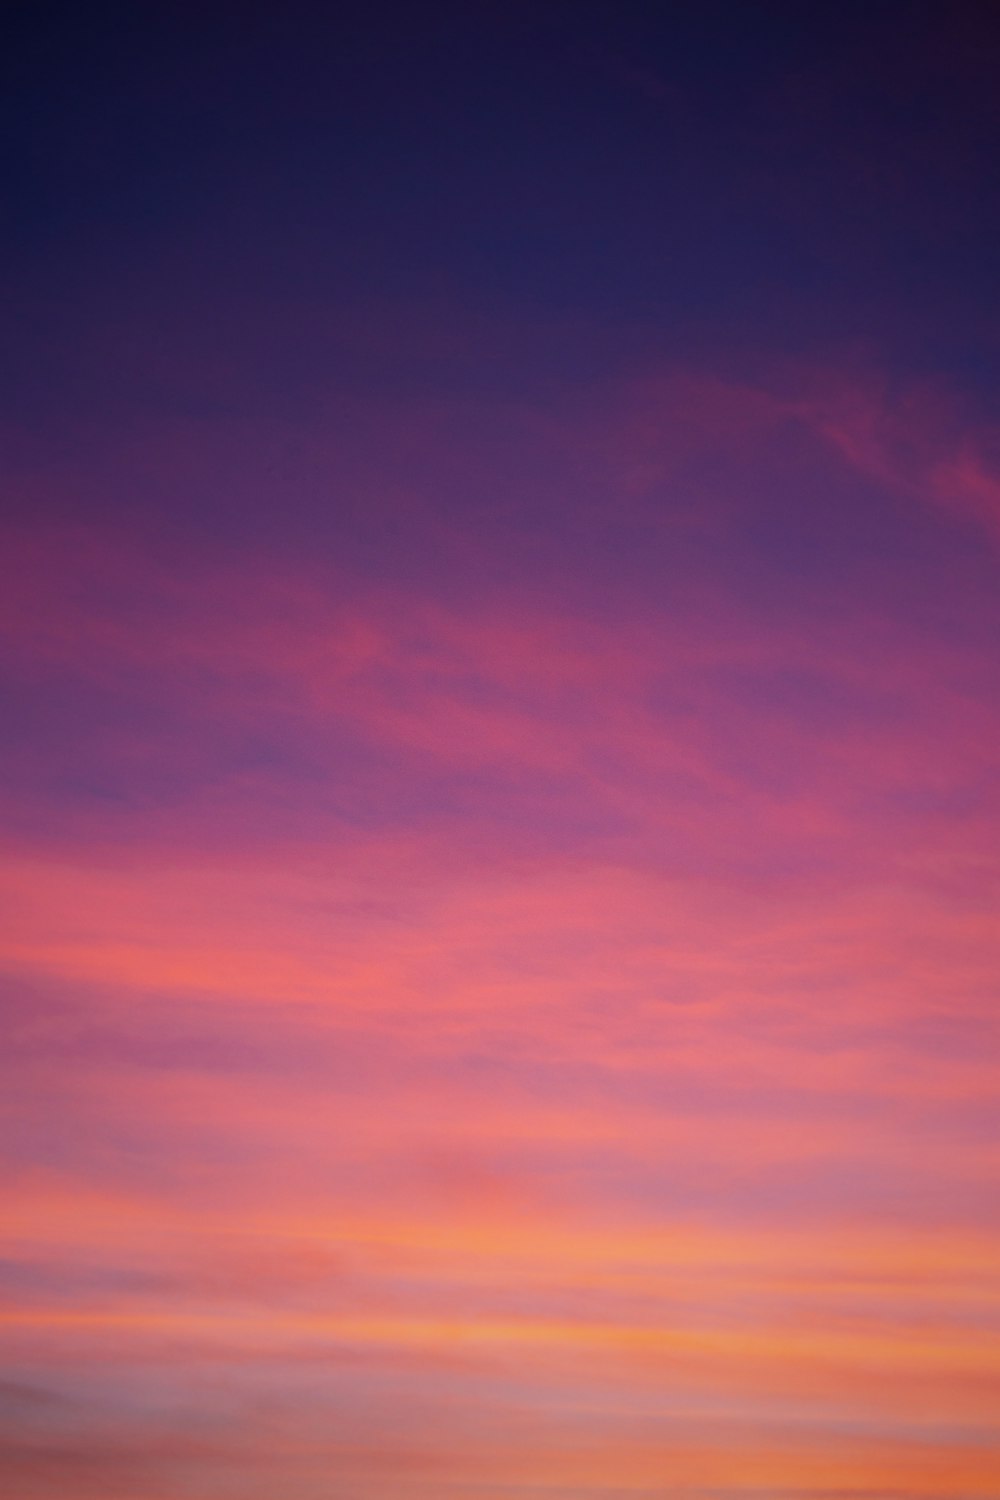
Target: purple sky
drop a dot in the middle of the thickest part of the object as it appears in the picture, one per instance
(499, 651)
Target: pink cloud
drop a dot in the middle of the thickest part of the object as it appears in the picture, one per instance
(499, 991)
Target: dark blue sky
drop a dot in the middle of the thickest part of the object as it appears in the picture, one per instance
(711, 177)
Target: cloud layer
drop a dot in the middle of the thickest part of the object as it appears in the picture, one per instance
(500, 987)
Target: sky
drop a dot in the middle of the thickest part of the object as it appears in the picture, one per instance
(499, 824)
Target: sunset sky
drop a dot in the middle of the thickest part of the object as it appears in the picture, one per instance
(500, 651)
